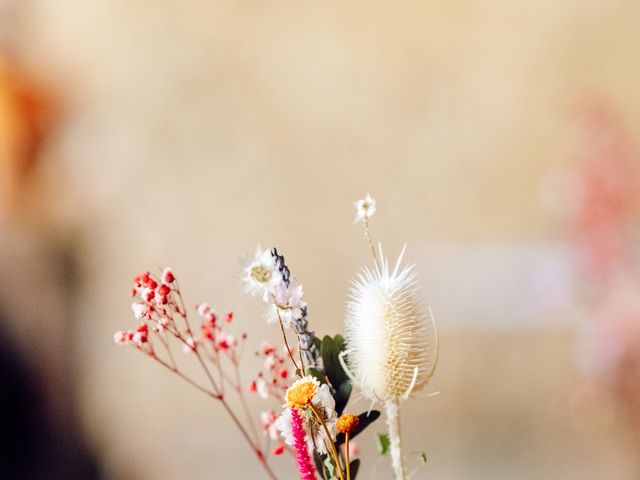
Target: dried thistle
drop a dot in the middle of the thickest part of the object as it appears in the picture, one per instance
(391, 341)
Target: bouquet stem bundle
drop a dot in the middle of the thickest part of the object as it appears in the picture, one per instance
(390, 349)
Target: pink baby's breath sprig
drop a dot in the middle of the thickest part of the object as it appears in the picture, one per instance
(159, 305)
(271, 381)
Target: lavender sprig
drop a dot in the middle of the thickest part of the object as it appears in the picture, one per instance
(306, 337)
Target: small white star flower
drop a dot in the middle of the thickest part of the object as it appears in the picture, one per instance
(261, 275)
(365, 208)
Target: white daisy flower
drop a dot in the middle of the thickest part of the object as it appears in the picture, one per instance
(365, 208)
(261, 276)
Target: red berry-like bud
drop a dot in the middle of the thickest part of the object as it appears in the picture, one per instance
(168, 276)
(279, 449)
(283, 373)
(163, 290)
(207, 333)
(252, 387)
(229, 317)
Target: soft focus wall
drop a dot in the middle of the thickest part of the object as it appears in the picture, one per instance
(187, 132)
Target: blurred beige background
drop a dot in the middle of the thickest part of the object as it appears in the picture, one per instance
(190, 131)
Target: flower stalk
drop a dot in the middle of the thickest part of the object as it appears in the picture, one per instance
(392, 342)
(392, 408)
(333, 450)
(346, 455)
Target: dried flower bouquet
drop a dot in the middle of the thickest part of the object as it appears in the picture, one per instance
(389, 353)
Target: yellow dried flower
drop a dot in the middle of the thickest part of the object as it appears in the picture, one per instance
(301, 392)
(347, 423)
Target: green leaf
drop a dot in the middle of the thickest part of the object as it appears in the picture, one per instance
(330, 467)
(383, 443)
(340, 343)
(317, 459)
(423, 458)
(353, 467)
(343, 392)
(314, 372)
(364, 421)
(329, 352)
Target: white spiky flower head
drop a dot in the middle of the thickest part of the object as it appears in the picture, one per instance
(391, 341)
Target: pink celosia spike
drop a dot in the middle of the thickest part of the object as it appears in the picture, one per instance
(305, 467)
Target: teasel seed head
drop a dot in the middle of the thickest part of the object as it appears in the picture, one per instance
(392, 343)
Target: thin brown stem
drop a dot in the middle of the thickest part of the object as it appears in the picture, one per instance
(254, 447)
(219, 366)
(168, 348)
(300, 356)
(346, 455)
(370, 240)
(245, 407)
(334, 453)
(184, 315)
(191, 382)
(213, 358)
(286, 343)
(315, 448)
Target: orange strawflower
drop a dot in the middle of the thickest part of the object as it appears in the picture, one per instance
(347, 423)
